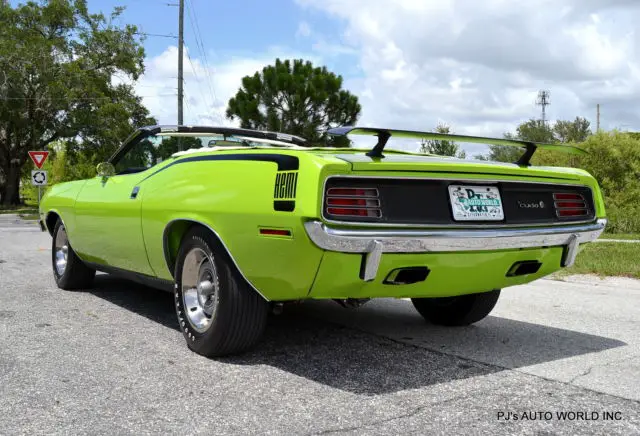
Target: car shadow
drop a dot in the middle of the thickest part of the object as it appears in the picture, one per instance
(325, 343)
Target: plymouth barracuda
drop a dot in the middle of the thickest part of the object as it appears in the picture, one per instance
(242, 221)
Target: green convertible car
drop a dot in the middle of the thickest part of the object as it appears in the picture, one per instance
(237, 222)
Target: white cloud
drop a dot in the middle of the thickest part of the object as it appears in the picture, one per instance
(479, 65)
(207, 90)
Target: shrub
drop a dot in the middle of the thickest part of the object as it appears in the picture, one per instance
(614, 160)
(61, 167)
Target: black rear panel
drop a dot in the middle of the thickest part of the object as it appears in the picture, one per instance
(423, 201)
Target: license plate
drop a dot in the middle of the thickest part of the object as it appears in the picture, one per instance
(475, 203)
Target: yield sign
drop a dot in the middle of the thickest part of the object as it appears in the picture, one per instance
(38, 157)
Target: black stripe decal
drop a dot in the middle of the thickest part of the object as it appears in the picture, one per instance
(284, 205)
(284, 162)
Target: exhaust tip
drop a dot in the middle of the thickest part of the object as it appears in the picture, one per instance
(407, 275)
(524, 267)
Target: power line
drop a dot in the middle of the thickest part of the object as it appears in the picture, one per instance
(186, 100)
(82, 98)
(195, 73)
(156, 34)
(193, 18)
(180, 66)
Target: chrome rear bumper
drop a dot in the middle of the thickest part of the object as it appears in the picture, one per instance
(375, 242)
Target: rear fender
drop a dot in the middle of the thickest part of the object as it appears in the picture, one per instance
(172, 239)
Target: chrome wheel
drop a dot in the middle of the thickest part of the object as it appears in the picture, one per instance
(61, 251)
(200, 289)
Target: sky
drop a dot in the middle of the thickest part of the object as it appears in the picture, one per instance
(475, 65)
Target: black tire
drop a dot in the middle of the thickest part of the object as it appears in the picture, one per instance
(76, 275)
(457, 311)
(239, 315)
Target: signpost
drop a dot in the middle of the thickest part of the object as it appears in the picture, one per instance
(38, 177)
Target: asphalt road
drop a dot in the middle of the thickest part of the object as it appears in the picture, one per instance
(562, 357)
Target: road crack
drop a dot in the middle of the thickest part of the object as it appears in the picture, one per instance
(602, 365)
(582, 374)
(413, 412)
(373, 423)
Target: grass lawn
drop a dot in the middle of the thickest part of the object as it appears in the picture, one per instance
(19, 210)
(620, 236)
(26, 208)
(607, 259)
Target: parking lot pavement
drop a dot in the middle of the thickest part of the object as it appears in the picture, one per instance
(561, 357)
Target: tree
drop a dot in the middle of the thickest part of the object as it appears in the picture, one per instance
(57, 62)
(296, 98)
(577, 130)
(536, 131)
(503, 153)
(531, 130)
(563, 131)
(442, 147)
(173, 144)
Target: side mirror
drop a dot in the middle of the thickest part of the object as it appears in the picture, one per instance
(105, 169)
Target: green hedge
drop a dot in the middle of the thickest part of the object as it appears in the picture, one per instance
(614, 160)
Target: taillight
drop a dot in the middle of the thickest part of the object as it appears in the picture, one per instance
(359, 202)
(570, 205)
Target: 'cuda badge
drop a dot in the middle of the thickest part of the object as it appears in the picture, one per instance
(531, 204)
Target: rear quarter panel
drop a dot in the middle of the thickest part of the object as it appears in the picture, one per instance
(235, 199)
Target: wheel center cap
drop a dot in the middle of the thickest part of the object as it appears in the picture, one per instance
(205, 292)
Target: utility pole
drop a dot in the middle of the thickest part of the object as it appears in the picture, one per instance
(180, 57)
(598, 117)
(543, 100)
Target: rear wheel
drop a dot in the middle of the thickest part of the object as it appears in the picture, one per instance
(218, 312)
(457, 311)
(68, 270)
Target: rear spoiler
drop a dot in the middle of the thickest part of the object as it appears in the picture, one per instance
(384, 135)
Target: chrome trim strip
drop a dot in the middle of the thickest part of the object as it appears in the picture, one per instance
(329, 194)
(342, 206)
(452, 226)
(425, 241)
(555, 195)
(166, 258)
